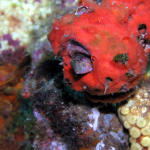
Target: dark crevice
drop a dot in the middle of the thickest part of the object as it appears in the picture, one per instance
(76, 43)
(142, 26)
(109, 79)
(109, 98)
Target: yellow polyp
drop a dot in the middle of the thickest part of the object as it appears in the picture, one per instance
(127, 125)
(137, 121)
(146, 131)
(135, 132)
(136, 146)
(141, 122)
(131, 119)
(145, 141)
(124, 110)
(132, 140)
(134, 110)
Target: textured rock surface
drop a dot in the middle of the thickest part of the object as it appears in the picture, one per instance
(74, 122)
(26, 22)
(22, 22)
(10, 86)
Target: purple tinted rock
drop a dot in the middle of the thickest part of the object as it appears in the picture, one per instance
(7, 37)
(69, 1)
(14, 57)
(40, 50)
(39, 1)
(82, 126)
(14, 43)
(11, 42)
(37, 55)
(107, 119)
(46, 139)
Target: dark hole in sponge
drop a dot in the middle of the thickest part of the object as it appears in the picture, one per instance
(98, 1)
(142, 26)
(109, 79)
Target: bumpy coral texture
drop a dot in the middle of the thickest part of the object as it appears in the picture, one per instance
(103, 46)
(20, 22)
(135, 115)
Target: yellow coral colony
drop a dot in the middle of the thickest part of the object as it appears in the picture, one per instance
(21, 18)
(135, 116)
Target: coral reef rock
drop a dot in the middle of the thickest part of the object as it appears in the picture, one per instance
(74, 123)
(22, 22)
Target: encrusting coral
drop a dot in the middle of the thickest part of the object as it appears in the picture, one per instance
(22, 22)
(135, 116)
